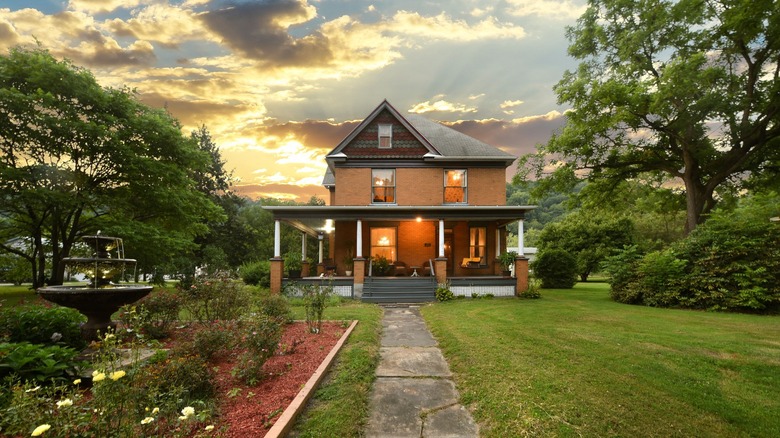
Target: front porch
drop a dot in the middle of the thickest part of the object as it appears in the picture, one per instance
(438, 243)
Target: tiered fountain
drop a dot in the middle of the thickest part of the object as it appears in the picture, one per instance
(99, 299)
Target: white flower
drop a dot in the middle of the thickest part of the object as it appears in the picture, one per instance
(56, 336)
(210, 427)
(64, 403)
(187, 412)
(40, 430)
(33, 389)
(147, 420)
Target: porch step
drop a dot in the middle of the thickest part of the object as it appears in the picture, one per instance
(399, 289)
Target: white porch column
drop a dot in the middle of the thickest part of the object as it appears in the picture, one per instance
(277, 239)
(303, 246)
(520, 239)
(320, 247)
(441, 238)
(498, 242)
(359, 239)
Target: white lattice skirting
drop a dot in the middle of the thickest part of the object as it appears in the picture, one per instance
(499, 291)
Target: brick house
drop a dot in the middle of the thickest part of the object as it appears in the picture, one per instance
(413, 203)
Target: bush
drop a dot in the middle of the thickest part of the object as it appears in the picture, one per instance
(215, 340)
(261, 339)
(277, 307)
(154, 316)
(256, 273)
(39, 363)
(42, 325)
(622, 268)
(533, 290)
(443, 292)
(659, 276)
(210, 299)
(315, 298)
(180, 375)
(556, 268)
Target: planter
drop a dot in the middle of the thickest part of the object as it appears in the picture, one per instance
(294, 273)
(506, 273)
(349, 273)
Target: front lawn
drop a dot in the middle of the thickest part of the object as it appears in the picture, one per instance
(575, 363)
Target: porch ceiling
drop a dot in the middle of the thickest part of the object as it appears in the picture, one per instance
(310, 219)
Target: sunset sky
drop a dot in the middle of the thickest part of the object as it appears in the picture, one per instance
(280, 82)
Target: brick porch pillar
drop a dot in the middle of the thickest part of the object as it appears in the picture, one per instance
(305, 268)
(277, 272)
(440, 265)
(359, 276)
(521, 273)
(320, 269)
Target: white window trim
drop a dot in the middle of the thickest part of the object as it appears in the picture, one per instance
(387, 128)
(394, 187)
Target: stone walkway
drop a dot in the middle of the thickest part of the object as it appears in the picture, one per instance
(414, 395)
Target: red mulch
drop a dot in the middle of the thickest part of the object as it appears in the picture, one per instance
(254, 409)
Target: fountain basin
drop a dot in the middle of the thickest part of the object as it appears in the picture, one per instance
(97, 304)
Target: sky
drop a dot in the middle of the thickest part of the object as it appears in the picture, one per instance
(279, 83)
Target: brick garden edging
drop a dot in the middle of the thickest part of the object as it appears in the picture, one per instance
(287, 419)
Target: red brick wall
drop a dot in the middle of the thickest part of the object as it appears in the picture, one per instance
(353, 186)
(487, 186)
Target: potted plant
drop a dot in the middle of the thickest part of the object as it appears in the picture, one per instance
(349, 263)
(507, 259)
(293, 262)
(381, 266)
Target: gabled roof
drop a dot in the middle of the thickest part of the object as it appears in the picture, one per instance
(441, 141)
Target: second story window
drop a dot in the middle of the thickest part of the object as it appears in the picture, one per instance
(383, 186)
(455, 187)
(385, 136)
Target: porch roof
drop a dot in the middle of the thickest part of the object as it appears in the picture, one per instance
(311, 219)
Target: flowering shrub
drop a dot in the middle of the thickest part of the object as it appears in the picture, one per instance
(154, 316)
(276, 306)
(209, 299)
(122, 404)
(315, 299)
(261, 339)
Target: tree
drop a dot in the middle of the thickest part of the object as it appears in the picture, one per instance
(589, 237)
(682, 90)
(76, 158)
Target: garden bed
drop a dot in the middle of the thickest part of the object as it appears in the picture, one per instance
(251, 410)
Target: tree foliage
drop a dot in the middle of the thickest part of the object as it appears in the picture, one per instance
(76, 158)
(589, 237)
(729, 263)
(556, 268)
(684, 90)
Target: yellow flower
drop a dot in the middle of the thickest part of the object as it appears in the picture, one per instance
(64, 403)
(116, 375)
(210, 427)
(40, 430)
(77, 381)
(155, 410)
(96, 376)
(33, 389)
(147, 420)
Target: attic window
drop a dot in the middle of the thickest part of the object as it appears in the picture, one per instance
(385, 136)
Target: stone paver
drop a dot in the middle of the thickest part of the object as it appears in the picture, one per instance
(413, 395)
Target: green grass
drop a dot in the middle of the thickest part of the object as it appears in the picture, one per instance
(574, 363)
(18, 296)
(339, 407)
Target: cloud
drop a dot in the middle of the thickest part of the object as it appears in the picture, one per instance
(442, 27)
(559, 9)
(510, 104)
(282, 191)
(165, 24)
(441, 106)
(259, 30)
(101, 6)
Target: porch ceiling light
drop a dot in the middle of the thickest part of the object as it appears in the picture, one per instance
(328, 226)
(384, 241)
(419, 219)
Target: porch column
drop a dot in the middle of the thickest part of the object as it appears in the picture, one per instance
(304, 260)
(359, 240)
(320, 265)
(498, 242)
(520, 240)
(277, 239)
(441, 238)
(277, 264)
(359, 275)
